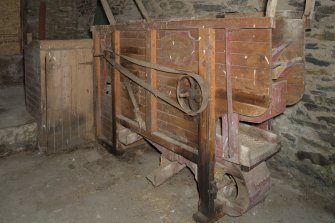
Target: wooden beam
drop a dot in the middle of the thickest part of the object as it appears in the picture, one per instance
(151, 101)
(143, 10)
(207, 128)
(108, 12)
(271, 8)
(309, 9)
(245, 23)
(42, 21)
(97, 84)
(165, 172)
(175, 146)
(116, 88)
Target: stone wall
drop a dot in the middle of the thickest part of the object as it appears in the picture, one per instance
(10, 27)
(10, 43)
(11, 69)
(307, 130)
(64, 19)
(125, 10)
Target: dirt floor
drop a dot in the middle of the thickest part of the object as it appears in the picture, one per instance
(90, 185)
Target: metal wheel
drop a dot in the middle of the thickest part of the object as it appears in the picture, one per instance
(189, 94)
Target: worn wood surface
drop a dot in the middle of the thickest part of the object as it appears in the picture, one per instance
(233, 55)
(66, 115)
(207, 130)
(291, 31)
(97, 84)
(151, 101)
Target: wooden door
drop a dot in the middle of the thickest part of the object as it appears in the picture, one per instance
(69, 98)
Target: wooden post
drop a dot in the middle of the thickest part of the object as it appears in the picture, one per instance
(108, 12)
(151, 101)
(271, 8)
(42, 21)
(143, 10)
(206, 163)
(97, 84)
(116, 86)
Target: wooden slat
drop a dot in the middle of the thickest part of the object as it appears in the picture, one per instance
(108, 12)
(251, 22)
(116, 85)
(97, 84)
(151, 101)
(163, 140)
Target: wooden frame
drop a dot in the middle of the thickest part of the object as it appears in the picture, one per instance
(235, 57)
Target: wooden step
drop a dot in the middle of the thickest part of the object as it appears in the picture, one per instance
(256, 145)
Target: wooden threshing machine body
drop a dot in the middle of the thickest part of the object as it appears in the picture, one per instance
(202, 92)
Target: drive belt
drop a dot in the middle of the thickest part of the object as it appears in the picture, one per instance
(202, 84)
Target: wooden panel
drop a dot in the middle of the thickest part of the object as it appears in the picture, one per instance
(132, 44)
(291, 31)
(97, 84)
(178, 48)
(69, 111)
(250, 58)
(105, 80)
(32, 80)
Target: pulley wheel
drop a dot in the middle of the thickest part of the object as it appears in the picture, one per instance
(189, 94)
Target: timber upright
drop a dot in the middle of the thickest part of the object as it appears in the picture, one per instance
(202, 92)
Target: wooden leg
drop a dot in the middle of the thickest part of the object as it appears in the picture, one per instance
(206, 162)
(116, 82)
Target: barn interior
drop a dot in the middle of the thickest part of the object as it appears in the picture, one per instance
(64, 158)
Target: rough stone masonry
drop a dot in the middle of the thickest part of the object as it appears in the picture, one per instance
(307, 130)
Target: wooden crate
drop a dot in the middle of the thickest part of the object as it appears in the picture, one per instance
(59, 92)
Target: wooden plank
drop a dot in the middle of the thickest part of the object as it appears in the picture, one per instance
(207, 128)
(128, 42)
(133, 34)
(271, 8)
(84, 92)
(163, 140)
(143, 10)
(108, 12)
(253, 22)
(42, 21)
(151, 101)
(245, 35)
(43, 140)
(116, 86)
(293, 32)
(177, 133)
(165, 172)
(97, 84)
(66, 44)
(232, 147)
